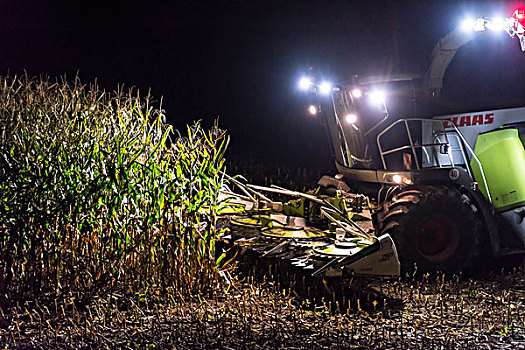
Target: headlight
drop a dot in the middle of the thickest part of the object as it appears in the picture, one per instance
(477, 25)
(399, 179)
(468, 24)
(351, 118)
(496, 24)
(325, 88)
(305, 83)
(377, 97)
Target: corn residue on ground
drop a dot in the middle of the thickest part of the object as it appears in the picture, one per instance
(431, 312)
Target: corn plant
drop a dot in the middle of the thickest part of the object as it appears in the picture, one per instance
(96, 192)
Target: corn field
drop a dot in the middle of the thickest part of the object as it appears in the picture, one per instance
(98, 193)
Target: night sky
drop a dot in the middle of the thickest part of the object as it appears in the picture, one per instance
(240, 60)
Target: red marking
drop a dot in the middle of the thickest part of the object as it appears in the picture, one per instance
(477, 119)
(407, 161)
(519, 14)
(464, 121)
(467, 120)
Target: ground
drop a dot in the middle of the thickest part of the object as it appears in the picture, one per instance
(249, 312)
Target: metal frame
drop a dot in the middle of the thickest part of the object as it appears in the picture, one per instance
(412, 146)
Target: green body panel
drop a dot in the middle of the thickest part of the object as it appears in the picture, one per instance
(502, 156)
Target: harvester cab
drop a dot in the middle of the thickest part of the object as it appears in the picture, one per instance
(449, 189)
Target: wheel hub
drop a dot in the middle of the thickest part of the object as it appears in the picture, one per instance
(437, 237)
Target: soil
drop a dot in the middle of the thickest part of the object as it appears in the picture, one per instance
(438, 311)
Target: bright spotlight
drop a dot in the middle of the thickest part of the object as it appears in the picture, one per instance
(377, 97)
(305, 83)
(351, 118)
(476, 25)
(313, 110)
(496, 24)
(468, 24)
(480, 25)
(357, 93)
(325, 88)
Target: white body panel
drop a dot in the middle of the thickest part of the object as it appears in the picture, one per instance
(383, 263)
(474, 123)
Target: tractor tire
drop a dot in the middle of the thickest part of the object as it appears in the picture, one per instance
(434, 229)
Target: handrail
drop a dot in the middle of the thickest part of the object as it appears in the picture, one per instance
(394, 150)
(412, 146)
(477, 161)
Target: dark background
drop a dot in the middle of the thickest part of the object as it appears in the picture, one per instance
(240, 60)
